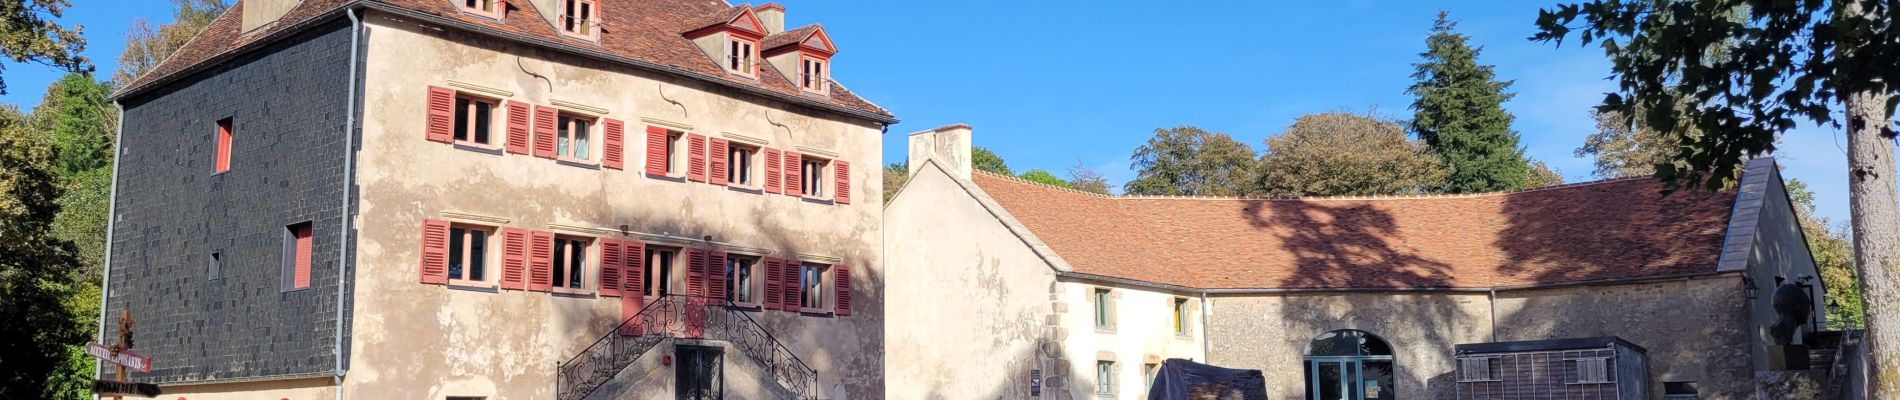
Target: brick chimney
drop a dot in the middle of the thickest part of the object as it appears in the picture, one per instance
(261, 13)
(772, 15)
(949, 145)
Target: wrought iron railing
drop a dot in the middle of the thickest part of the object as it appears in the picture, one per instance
(687, 317)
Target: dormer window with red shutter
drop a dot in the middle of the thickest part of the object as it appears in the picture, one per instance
(580, 19)
(803, 56)
(485, 8)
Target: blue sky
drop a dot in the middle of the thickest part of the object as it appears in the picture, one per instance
(1048, 84)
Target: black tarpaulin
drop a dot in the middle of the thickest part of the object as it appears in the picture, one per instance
(1187, 380)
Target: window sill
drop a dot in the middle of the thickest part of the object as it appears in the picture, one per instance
(575, 294)
(478, 148)
(578, 164)
(815, 312)
(817, 200)
(494, 18)
(472, 287)
(745, 189)
(668, 177)
(747, 306)
(1102, 330)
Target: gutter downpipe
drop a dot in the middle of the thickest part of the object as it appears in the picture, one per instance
(1206, 347)
(349, 149)
(112, 219)
(1494, 314)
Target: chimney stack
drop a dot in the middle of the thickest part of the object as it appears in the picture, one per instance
(261, 13)
(949, 145)
(772, 15)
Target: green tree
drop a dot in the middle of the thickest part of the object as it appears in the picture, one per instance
(1541, 175)
(1188, 161)
(35, 267)
(895, 175)
(146, 46)
(1621, 149)
(985, 160)
(1745, 72)
(1459, 112)
(30, 35)
(75, 116)
(1044, 177)
(76, 112)
(1833, 257)
(1341, 153)
(1086, 179)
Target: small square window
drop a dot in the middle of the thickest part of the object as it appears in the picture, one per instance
(474, 121)
(486, 8)
(659, 274)
(739, 168)
(741, 56)
(812, 175)
(570, 263)
(226, 134)
(468, 254)
(578, 19)
(298, 243)
(741, 280)
(813, 288)
(214, 268)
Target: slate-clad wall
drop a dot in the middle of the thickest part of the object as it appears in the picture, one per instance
(288, 104)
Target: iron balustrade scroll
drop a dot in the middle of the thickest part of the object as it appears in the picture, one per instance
(683, 317)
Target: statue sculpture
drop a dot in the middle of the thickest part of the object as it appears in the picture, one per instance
(1793, 307)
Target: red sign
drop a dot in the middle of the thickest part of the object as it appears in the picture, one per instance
(125, 358)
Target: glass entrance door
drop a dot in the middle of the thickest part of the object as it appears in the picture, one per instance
(1349, 378)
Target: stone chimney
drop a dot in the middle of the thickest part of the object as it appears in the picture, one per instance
(261, 13)
(949, 145)
(772, 16)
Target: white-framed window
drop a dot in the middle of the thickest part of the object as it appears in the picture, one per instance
(742, 279)
(739, 164)
(1105, 378)
(468, 254)
(659, 276)
(1104, 309)
(578, 19)
(812, 175)
(1592, 370)
(812, 74)
(570, 262)
(575, 134)
(486, 8)
(474, 121)
(742, 56)
(814, 288)
(1475, 369)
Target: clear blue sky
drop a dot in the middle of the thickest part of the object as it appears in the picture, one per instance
(1048, 84)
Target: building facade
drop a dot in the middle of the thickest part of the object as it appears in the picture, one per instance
(483, 200)
(1331, 298)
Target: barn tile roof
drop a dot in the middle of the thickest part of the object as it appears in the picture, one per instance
(1583, 232)
(648, 31)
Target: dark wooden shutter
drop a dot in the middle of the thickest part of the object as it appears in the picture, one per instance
(774, 180)
(841, 289)
(520, 127)
(611, 263)
(716, 282)
(794, 178)
(545, 119)
(718, 161)
(540, 261)
(514, 258)
(842, 192)
(613, 143)
(696, 158)
(435, 251)
(771, 279)
(441, 115)
(656, 150)
(300, 272)
(791, 273)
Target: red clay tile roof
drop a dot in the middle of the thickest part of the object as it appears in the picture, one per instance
(647, 30)
(1584, 232)
(789, 37)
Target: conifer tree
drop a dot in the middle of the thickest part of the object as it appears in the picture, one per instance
(1459, 112)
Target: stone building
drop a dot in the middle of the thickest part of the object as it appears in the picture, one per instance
(1072, 295)
(486, 199)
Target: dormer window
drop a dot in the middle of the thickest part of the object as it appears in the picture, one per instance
(578, 18)
(811, 73)
(486, 8)
(741, 56)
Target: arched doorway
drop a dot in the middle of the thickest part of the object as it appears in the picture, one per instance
(1349, 364)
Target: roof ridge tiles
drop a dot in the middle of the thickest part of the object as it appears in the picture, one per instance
(1044, 185)
(1421, 196)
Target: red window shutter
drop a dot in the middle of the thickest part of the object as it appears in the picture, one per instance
(696, 272)
(520, 131)
(300, 272)
(611, 263)
(794, 180)
(716, 280)
(435, 251)
(774, 180)
(544, 132)
(441, 115)
(841, 288)
(696, 158)
(718, 161)
(514, 258)
(792, 286)
(541, 261)
(772, 290)
(633, 276)
(656, 150)
(613, 143)
(842, 193)
(223, 163)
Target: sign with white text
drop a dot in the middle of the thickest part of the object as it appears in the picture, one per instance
(125, 358)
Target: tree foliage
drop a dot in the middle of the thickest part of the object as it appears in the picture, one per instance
(985, 160)
(35, 267)
(81, 121)
(1086, 179)
(1340, 153)
(1833, 257)
(1044, 177)
(146, 46)
(1541, 175)
(30, 35)
(1621, 149)
(1459, 112)
(1189, 161)
(895, 175)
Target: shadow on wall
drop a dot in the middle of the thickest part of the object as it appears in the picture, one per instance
(1056, 385)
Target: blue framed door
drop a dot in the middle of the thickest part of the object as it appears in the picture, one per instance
(1349, 378)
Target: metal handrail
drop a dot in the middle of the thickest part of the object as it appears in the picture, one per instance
(681, 316)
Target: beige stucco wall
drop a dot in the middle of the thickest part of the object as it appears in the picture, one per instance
(413, 341)
(976, 302)
(293, 389)
(1142, 333)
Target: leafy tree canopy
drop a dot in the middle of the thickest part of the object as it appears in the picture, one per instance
(81, 121)
(146, 46)
(30, 35)
(1044, 177)
(1189, 161)
(1541, 175)
(1086, 179)
(1340, 153)
(985, 160)
(1459, 112)
(35, 267)
(895, 175)
(1622, 150)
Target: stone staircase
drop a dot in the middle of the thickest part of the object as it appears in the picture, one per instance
(676, 319)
